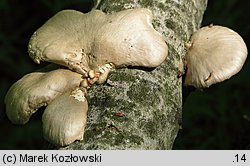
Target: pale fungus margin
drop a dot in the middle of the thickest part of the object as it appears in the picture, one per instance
(214, 54)
(90, 45)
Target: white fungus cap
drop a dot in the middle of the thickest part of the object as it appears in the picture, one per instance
(64, 119)
(214, 54)
(37, 89)
(89, 41)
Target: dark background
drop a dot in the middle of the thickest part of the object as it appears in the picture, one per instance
(215, 118)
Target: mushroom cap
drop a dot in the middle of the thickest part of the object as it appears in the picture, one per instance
(64, 119)
(66, 39)
(215, 54)
(89, 41)
(130, 40)
(37, 89)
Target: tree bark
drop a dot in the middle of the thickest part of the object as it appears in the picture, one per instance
(137, 108)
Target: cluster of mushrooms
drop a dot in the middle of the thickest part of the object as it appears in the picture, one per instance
(85, 52)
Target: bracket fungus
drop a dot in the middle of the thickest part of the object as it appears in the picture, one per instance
(90, 45)
(90, 41)
(68, 115)
(37, 89)
(214, 54)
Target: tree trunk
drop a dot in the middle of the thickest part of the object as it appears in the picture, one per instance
(137, 108)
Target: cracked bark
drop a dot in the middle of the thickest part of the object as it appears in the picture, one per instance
(136, 108)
